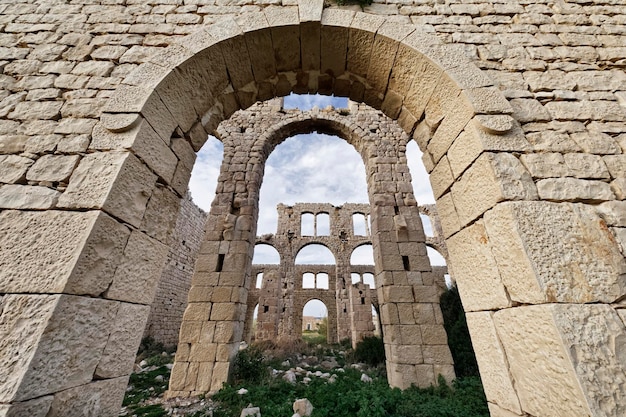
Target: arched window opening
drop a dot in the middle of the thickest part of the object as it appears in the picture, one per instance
(259, 280)
(308, 280)
(315, 322)
(359, 224)
(363, 255)
(315, 255)
(307, 224)
(322, 281)
(356, 277)
(369, 280)
(322, 224)
(427, 225)
(265, 255)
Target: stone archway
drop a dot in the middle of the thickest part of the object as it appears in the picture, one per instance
(522, 298)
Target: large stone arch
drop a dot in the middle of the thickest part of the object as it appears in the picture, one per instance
(488, 203)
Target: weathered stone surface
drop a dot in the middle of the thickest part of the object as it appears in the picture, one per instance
(491, 179)
(303, 407)
(136, 277)
(99, 398)
(34, 408)
(13, 168)
(58, 349)
(144, 142)
(492, 361)
(54, 168)
(73, 252)
(115, 181)
(161, 214)
(527, 238)
(571, 333)
(23, 197)
(573, 189)
(560, 66)
(121, 348)
(476, 272)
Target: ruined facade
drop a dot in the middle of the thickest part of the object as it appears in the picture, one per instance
(517, 105)
(281, 300)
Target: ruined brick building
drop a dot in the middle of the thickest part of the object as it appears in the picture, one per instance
(517, 105)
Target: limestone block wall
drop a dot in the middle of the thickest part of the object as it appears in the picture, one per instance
(170, 301)
(518, 106)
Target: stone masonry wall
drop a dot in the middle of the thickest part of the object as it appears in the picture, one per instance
(517, 105)
(166, 312)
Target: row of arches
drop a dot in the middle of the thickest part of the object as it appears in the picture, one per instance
(319, 254)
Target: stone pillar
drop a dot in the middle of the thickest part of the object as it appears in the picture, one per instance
(213, 322)
(270, 307)
(362, 324)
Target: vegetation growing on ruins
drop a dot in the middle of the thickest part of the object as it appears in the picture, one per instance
(330, 376)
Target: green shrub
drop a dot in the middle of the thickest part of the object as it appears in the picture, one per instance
(249, 365)
(370, 350)
(458, 334)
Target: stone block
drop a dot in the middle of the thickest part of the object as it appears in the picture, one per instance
(582, 165)
(360, 42)
(34, 408)
(139, 269)
(203, 352)
(99, 398)
(25, 197)
(334, 41)
(527, 239)
(72, 252)
(263, 63)
(145, 144)
(574, 189)
(13, 168)
(545, 165)
(53, 168)
(284, 23)
(441, 178)
(220, 375)
(455, 119)
(491, 179)
(575, 335)
(475, 270)
(492, 361)
(433, 334)
(114, 181)
(119, 354)
(448, 215)
(161, 214)
(385, 44)
(50, 343)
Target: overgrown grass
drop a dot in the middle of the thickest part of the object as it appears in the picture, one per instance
(342, 395)
(349, 397)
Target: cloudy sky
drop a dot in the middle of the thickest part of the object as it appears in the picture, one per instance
(310, 168)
